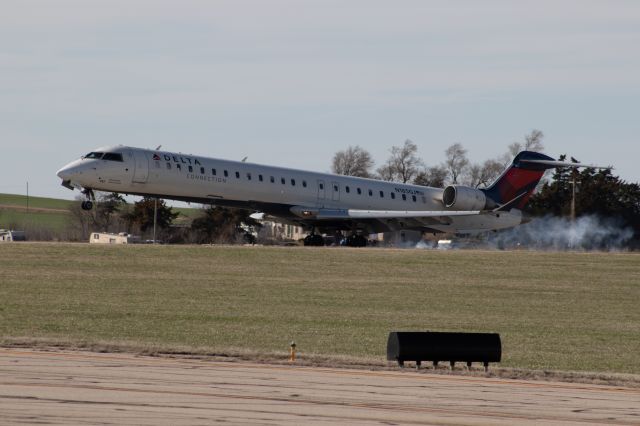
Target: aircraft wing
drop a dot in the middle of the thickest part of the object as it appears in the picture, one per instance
(333, 214)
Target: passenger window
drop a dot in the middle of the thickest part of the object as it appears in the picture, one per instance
(393, 195)
(272, 179)
(335, 188)
(202, 170)
(213, 172)
(346, 188)
(404, 197)
(237, 175)
(321, 185)
(168, 166)
(293, 182)
(283, 181)
(370, 193)
(226, 173)
(179, 167)
(248, 176)
(381, 194)
(260, 178)
(304, 183)
(413, 197)
(359, 191)
(190, 169)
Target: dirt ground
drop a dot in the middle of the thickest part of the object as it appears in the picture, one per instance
(66, 387)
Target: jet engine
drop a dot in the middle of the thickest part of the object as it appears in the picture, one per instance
(460, 197)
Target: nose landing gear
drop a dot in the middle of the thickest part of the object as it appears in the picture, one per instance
(88, 204)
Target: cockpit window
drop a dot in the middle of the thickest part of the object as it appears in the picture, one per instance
(112, 156)
(96, 155)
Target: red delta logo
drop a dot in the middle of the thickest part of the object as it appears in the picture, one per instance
(156, 157)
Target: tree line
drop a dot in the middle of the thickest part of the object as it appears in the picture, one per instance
(404, 164)
(113, 214)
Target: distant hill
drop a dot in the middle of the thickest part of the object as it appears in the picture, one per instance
(48, 213)
(20, 202)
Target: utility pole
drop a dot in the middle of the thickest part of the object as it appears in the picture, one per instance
(155, 218)
(574, 174)
(573, 197)
(27, 196)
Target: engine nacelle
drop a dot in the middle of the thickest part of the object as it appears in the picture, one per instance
(460, 197)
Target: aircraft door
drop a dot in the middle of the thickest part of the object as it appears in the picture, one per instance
(141, 173)
(321, 190)
(335, 191)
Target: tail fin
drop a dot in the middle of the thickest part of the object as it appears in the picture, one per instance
(520, 179)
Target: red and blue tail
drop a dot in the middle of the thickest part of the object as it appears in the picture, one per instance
(520, 179)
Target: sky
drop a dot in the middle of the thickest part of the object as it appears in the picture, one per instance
(289, 83)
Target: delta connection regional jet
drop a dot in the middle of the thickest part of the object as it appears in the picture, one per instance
(320, 202)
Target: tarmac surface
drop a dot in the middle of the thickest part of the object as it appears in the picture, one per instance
(39, 387)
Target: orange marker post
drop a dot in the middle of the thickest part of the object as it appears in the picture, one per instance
(292, 358)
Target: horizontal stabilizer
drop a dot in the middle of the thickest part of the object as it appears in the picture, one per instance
(553, 163)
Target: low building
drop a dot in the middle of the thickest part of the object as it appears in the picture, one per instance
(121, 238)
(403, 239)
(7, 235)
(280, 231)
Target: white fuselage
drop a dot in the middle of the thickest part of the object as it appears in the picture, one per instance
(209, 180)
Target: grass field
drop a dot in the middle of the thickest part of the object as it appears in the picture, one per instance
(20, 220)
(559, 311)
(43, 213)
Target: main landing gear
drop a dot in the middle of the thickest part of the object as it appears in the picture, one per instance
(88, 204)
(314, 240)
(355, 240)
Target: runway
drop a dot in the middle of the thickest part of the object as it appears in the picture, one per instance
(90, 388)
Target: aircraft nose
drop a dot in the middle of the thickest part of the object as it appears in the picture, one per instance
(62, 173)
(70, 171)
(66, 172)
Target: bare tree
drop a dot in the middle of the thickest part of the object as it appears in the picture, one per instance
(473, 175)
(435, 176)
(81, 220)
(481, 175)
(104, 217)
(386, 172)
(491, 170)
(354, 161)
(456, 161)
(403, 164)
(532, 142)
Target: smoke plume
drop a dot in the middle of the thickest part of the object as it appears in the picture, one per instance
(586, 233)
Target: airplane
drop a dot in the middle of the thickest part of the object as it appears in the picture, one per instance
(320, 202)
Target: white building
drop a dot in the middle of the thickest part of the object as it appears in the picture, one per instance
(7, 235)
(121, 238)
(277, 230)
